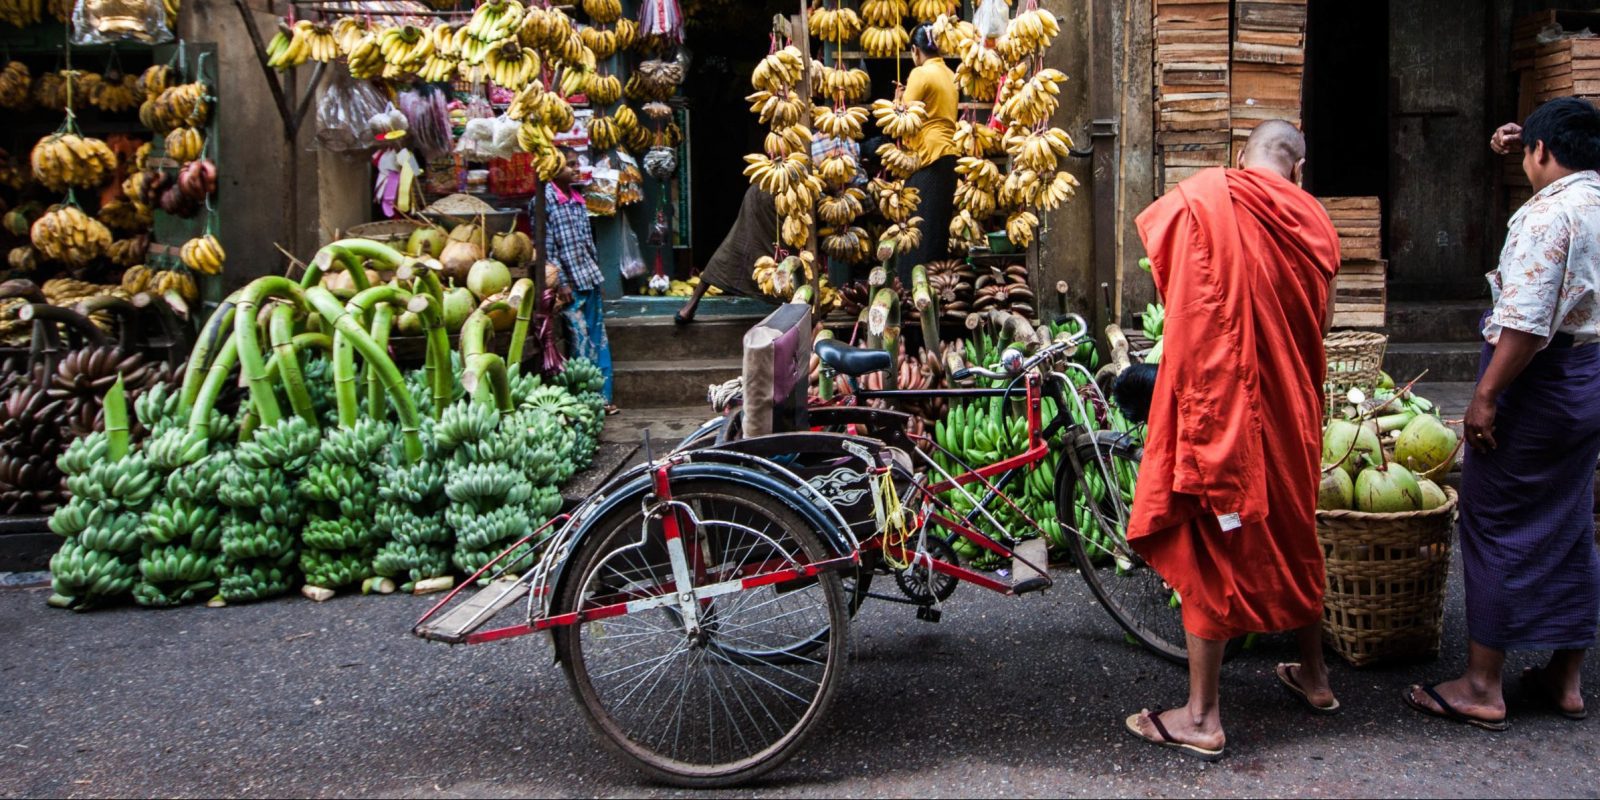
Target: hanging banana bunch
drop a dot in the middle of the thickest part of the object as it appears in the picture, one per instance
(898, 161)
(899, 118)
(900, 238)
(896, 201)
(931, 10)
(836, 25)
(1036, 100)
(1028, 33)
(511, 65)
(841, 85)
(63, 160)
(841, 122)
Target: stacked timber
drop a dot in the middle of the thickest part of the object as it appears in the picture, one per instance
(1268, 64)
(1192, 87)
(1360, 291)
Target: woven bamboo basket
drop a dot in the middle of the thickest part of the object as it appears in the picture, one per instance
(1354, 360)
(387, 231)
(1386, 581)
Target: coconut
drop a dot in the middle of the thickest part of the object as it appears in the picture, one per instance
(512, 248)
(409, 323)
(426, 241)
(342, 285)
(1425, 444)
(488, 277)
(458, 305)
(500, 312)
(1387, 488)
(1336, 492)
(458, 257)
(1345, 443)
(1432, 495)
(467, 232)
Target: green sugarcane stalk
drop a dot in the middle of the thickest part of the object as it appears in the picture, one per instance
(382, 319)
(927, 304)
(824, 372)
(285, 362)
(436, 367)
(344, 368)
(200, 357)
(348, 251)
(478, 362)
(251, 363)
(216, 378)
(522, 296)
(328, 306)
(116, 408)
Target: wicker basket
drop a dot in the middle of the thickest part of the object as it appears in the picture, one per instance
(1386, 581)
(391, 230)
(1354, 360)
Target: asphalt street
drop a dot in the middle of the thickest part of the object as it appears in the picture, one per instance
(1005, 697)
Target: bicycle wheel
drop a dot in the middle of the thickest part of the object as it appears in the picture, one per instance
(1098, 504)
(738, 697)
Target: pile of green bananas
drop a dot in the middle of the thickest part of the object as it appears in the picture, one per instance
(180, 532)
(485, 483)
(412, 514)
(341, 485)
(260, 545)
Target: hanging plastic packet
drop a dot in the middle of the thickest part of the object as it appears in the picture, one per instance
(346, 114)
(662, 20)
(601, 194)
(109, 21)
(992, 18)
(428, 121)
(661, 163)
(661, 228)
(630, 182)
(632, 261)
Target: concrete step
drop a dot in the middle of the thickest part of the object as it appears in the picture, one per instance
(1448, 321)
(1444, 361)
(661, 384)
(659, 339)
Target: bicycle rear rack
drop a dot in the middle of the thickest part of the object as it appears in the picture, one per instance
(454, 626)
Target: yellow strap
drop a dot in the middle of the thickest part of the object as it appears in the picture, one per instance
(891, 520)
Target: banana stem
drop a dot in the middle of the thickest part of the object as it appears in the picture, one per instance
(479, 364)
(344, 369)
(349, 251)
(251, 363)
(522, 296)
(425, 272)
(280, 326)
(436, 367)
(216, 378)
(116, 408)
(927, 304)
(382, 319)
(328, 306)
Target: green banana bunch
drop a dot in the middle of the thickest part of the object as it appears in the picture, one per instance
(482, 531)
(332, 570)
(327, 482)
(83, 453)
(487, 486)
(463, 422)
(334, 534)
(257, 582)
(407, 527)
(125, 484)
(286, 446)
(172, 519)
(1155, 321)
(151, 596)
(414, 562)
(412, 484)
(72, 518)
(470, 561)
(157, 409)
(85, 574)
(360, 445)
(166, 564)
(244, 539)
(581, 375)
(118, 533)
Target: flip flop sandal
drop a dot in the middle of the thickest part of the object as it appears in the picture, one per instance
(1534, 686)
(1447, 711)
(1286, 677)
(1167, 740)
(612, 411)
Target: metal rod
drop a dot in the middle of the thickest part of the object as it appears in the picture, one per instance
(278, 96)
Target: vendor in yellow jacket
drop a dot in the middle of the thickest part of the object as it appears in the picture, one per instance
(932, 83)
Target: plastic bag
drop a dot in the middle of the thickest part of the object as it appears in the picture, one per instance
(107, 21)
(632, 265)
(602, 192)
(992, 18)
(630, 183)
(350, 114)
(486, 139)
(661, 162)
(661, 229)
(661, 19)
(429, 120)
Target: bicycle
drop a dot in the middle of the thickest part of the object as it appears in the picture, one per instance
(700, 602)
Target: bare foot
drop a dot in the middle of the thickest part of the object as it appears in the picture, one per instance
(1313, 683)
(1184, 728)
(1567, 698)
(1485, 703)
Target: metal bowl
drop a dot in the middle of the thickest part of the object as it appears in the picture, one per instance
(493, 222)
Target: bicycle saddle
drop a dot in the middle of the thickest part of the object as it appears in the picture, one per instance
(852, 361)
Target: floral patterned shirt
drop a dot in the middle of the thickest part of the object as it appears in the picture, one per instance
(1549, 276)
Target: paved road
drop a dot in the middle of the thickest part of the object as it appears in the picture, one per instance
(1004, 698)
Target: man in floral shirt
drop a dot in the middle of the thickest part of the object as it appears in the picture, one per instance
(1533, 430)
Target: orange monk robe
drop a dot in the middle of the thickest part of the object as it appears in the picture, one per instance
(1226, 504)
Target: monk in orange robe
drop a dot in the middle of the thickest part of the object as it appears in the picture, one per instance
(1225, 509)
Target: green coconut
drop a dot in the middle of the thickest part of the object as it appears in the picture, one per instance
(1432, 495)
(458, 305)
(1387, 488)
(1345, 443)
(1425, 444)
(426, 241)
(488, 277)
(1336, 492)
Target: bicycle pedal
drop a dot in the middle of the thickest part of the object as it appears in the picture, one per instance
(928, 613)
(1028, 562)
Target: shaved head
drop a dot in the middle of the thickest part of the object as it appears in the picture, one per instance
(1276, 145)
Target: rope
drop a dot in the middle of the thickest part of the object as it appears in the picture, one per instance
(891, 520)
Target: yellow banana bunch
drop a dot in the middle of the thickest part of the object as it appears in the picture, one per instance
(841, 122)
(534, 137)
(511, 65)
(981, 172)
(1037, 150)
(978, 139)
(603, 12)
(951, 33)
(843, 85)
(776, 175)
(884, 42)
(900, 238)
(157, 79)
(185, 145)
(21, 13)
(68, 235)
(764, 271)
(23, 259)
(319, 38)
(549, 164)
(1020, 189)
(366, 59)
(1036, 100)
(965, 231)
(783, 141)
(136, 278)
(1020, 227)
(604, 90)
(896, 201)
(777, 110)
(604, 132)
(1060, 189)
(14, 84)
(63, 160)
(128, 252)
(626, 118)
(544, 28)
(185, 105)
(203, 254)
(177, 281)
(899, 119)
(842, 208)
(795, 231)
(931, 10)
(670, 135)
(883, 13)
(117, 96)
(1029, 32)
(604, 43)
(289, 48)
(407, 47)
(850, 244)
(836, 25)
(576, 81)
(495, 21)
(899, 161)
(837, 170)
(779, 71)
(979, 201)
(125, 215)
(347, 31)
(800, 199)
